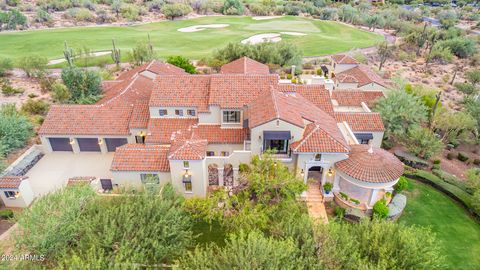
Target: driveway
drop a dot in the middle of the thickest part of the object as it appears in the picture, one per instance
(54, 169)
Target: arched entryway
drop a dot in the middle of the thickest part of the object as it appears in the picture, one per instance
(228, 175)
(315, 173)
(213, 175)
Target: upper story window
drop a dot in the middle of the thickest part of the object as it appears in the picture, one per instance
(224, 153)
(186, 164)
(210, 153)
(162, 112)
(191, 112)
(231, 117)
(318, 157)
(11, 194)
(179, 112)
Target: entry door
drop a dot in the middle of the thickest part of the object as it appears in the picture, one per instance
(60, 144)
(279, 145)
(88, 144)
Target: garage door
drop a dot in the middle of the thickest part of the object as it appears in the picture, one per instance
(88, 144)
(113, 143)
(60, 144)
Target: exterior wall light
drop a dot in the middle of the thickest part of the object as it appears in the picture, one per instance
(330, 172)
(100, 141)
(72, 141)
(302, 173)
(17, 194)
(186, 175)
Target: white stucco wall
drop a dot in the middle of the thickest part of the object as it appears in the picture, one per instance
(212, 117)
(154, 112)
(372, 87)
(346, 86)
(218, 148)
(132, 179)
(257, 133)
(24, 199)
(198, 172)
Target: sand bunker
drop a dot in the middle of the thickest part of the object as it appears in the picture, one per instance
(261, 18)
(201, 27)
(293, 33)
(271, 37)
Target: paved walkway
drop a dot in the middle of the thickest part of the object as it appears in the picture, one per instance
(316, 208)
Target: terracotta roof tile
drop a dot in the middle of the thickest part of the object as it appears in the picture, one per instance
(160, 130)
(245, 65)
(215, 134)
(373, 165)
(11, 181)
(361, 121)
(141, 158)
(140, 115)
(188, 150)
(355, 97)
(344, 59)
(362, 75)
(317, 140)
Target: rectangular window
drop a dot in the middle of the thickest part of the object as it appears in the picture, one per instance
(224, 153)
(186, 164)
(179, 112)
(10, 194)
(188, 186)
(231, 117)
(191, 112)
(210, 154)
(363, 141)
(140, 139)
(163, 112)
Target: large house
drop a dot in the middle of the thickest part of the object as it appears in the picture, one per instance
(194, 131)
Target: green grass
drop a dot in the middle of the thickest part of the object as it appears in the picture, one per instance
(458, 233)
(323, 37)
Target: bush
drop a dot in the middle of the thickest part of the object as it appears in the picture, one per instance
(380, 209)
(182, 62)
(243, 168)
(461, 47)
(436, 167)
(344, 196)
(130, 12)
(355, 201)
(33, 107)
(452, 180)
(33, 65)
(462, 157)
(171, 11)
(6, 214)
(476, 162)
(11, 20)
(232, 7)
(5, 65)
(60, 93)
(339, 212)
(437, 161)
(8, 90)
(80, 14)
(15, 129)
(401, 185)
(42, 16)
(450, 155)
(327, 187)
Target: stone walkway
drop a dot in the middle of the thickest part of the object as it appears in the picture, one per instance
(316, 208)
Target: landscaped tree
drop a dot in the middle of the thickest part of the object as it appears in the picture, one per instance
(252, 251)
(10, 20)
(456, 127)
(182, 62)
(375, 21)
(142, 53)
(33, 65)
(377, 245)
(422, 142)
(400, 111)
(84, 85)
(15, 129)
(172, 11)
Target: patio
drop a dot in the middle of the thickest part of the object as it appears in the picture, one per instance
(54, 169)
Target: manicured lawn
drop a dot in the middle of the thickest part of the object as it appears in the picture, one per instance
(323, 37)
(458, 232)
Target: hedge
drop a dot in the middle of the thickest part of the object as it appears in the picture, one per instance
(451, 179)
(450, 190)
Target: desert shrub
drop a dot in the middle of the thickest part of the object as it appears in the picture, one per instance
(103, 17)
(450, 155)
(6, 214)
(33, 106)
(130, 12)
(380, 209)
(46, 84)
(436, 167)
(60, 93)
(476, 161)
(15, 129)
(462, 157)
(259, 9)
(244, 168)
(233, 7)
(142, 53)
(80, 14)
(12, 20)
(401, 185)
(5, 65)
(423, 142)
(437, 161)
(461, 47)
(466, 88)
(172, 11)
(42, 16)
(33, 65)
(7, 89)
(155, 5)
(84, 85)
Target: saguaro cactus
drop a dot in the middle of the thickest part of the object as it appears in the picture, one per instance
(68, 53)
(115, 54)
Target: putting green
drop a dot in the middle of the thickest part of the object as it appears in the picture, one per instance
(322, 37)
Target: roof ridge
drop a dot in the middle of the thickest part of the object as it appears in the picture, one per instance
(134, 79)
(308, 136)
(277, 112)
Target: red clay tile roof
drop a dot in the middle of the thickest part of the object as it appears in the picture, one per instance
(295, 109)
(160, 130)
(318, 95)
(233, 91)
(317, 140)
(141, 158)
(11, 181)
(361, 121)
(343, 59)
(188, 149)
(140, 115)
(373, 165)
(355, 97)
(153, 66)
(215, 134)
(181, 90)
(362, 75)
(245, 65)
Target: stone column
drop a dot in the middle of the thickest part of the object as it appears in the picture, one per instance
(75, 147)
(103, 145)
